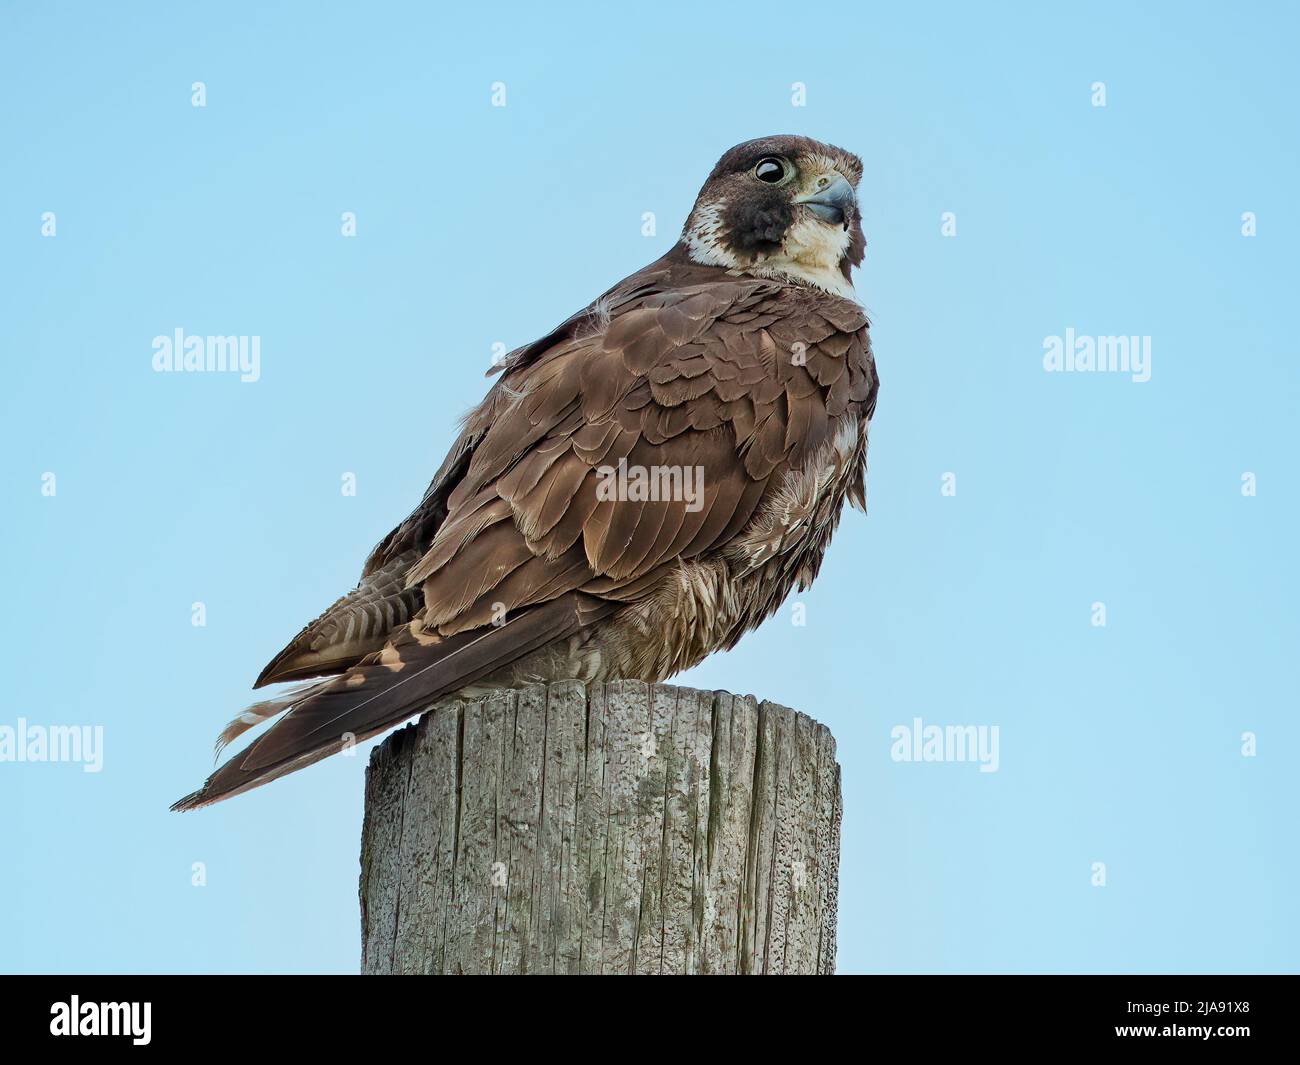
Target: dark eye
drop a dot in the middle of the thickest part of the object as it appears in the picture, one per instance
(770, 170)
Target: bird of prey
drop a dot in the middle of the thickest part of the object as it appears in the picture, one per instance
(742, 355)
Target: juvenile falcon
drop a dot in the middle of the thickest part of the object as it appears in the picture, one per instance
(742, 355)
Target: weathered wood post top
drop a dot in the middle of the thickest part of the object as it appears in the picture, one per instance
(610, 828)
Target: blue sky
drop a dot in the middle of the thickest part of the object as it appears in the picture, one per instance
(479, 225)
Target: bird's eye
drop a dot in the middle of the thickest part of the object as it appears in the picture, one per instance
(771, 170)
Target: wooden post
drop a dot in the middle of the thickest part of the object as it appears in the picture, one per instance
(616, 828)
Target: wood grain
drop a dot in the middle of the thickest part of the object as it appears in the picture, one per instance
(616, 828)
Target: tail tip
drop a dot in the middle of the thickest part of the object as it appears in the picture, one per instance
(192, 801)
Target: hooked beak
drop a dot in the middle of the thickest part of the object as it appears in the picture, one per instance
(831, 200)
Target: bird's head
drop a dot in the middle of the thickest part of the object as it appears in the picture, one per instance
(781, 206)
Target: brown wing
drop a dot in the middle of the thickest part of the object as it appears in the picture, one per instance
(739, 378)
(359, 622)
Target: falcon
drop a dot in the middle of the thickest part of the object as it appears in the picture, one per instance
(741, 357)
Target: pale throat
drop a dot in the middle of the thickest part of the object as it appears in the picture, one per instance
(810, 253)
